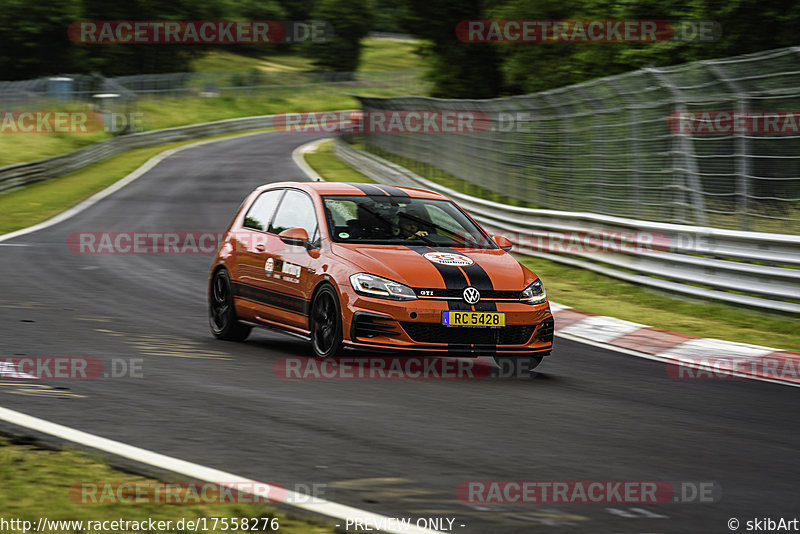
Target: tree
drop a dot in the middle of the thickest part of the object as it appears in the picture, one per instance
(351, 21)
(746, 26)
(122, 59)
(457, 69)
(33, 38)
(478, 70)
(257, 10)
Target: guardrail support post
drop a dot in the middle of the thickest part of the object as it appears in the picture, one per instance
(687, 150)
(742, 153)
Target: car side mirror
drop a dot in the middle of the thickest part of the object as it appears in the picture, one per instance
(295, 236)
(503, 242)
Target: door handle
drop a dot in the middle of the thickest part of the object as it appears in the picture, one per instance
(260, 247)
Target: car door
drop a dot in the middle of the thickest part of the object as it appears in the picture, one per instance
(295, 266)
(257, 250)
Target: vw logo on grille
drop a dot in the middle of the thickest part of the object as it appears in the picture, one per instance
(471, 295)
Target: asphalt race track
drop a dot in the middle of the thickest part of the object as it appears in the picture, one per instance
(397, 447)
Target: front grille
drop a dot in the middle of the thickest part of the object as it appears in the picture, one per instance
(486, 294)
(545, 332)
(369, 326)
(437, 333)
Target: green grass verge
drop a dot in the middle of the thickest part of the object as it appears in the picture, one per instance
(446, 179)
(379, 55)
(161, 113)
(36, 483)
(169, 112)
(376, 55)
(38, 202)
(603, 295)
(325, 162)
(390, 54)
(224, 61)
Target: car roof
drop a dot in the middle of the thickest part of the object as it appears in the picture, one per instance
(352, 188)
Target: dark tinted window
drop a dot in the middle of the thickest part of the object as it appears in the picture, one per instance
(260, 213)
(401, 220)
(296, 211)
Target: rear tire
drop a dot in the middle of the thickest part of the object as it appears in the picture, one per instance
(517, 366)
(221, 310)
(325, 323)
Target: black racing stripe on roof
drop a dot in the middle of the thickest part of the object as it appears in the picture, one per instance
(392, 190)
(355, 187)
(369, 189)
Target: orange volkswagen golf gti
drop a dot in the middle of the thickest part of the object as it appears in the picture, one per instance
(375, 267)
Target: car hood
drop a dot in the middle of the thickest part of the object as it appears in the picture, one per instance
(410, 266)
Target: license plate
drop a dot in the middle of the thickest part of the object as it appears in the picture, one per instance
(473, 318)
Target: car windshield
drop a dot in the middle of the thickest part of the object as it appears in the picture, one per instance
(402, 220)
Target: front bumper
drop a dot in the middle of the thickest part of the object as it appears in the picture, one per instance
(416, 325)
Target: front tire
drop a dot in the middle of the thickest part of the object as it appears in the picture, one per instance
(326, 323)
(221, 311)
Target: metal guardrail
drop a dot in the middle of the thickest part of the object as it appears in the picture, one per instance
(647, 144)
(21, 174)
(74, 88)
(745, 268)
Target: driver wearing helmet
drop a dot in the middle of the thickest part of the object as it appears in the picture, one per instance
(410, 226)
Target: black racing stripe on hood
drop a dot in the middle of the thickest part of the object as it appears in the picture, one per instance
(478, 278)
(453, 278)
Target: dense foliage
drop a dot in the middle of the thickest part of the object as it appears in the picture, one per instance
(34, 41)
(462, 69)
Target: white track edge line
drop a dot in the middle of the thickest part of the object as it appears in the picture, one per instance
(299, 160)
(192, 470)
(116, 186)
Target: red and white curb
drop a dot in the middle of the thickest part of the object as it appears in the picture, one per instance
(702, 357)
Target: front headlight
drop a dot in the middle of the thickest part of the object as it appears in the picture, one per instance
(534, 293)
(374, 286)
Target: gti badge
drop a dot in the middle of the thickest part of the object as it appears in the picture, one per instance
(471, 295)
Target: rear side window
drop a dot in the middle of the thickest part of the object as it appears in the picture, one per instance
(296, 211)
(260, 213)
